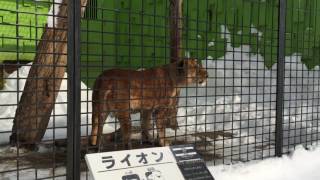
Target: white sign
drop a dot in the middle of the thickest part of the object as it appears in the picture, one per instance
(140, 164)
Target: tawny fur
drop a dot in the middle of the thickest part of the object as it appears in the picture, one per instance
(121, 92)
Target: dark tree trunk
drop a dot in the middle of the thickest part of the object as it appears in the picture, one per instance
(43, 83)
(175, 20)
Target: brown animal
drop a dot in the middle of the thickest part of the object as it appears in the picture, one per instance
(121, 92)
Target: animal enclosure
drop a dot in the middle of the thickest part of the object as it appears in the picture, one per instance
(261, 98)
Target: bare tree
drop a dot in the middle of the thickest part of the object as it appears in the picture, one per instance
(175, 20)
(43, 82)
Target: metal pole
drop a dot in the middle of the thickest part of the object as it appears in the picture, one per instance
(73, 122)
(280, 77)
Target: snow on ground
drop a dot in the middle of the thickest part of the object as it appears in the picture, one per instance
(301, 164)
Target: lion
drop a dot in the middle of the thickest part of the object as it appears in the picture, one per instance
(123, 91)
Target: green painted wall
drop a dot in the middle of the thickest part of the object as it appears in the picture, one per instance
(122, 44)
(122, 36)
(135, 33)
(21, 24)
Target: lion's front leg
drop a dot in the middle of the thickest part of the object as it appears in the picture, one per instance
(125, 123)
(146, 125)
(161, 120)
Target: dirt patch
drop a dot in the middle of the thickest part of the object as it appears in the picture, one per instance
(214, 135)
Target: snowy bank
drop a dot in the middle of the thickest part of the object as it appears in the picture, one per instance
(301, 164)
(9, 99)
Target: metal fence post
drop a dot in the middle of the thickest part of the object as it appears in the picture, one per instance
(73, 122)
(280, 77)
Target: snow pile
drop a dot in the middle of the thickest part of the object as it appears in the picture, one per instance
(302, 164)
(9, 99)
(241, 98)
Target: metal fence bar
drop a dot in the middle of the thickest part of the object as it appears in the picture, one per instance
(280, 76)
(73, 121)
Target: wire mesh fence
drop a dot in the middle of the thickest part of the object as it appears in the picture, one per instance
(34, 37)
(150, 59)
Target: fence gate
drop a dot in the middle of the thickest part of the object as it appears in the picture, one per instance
(152, 59)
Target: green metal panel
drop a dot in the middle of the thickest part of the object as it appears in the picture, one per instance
(20, 25)
(126, 34)
(135, 33)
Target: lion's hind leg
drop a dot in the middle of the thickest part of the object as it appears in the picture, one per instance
(161, 121)
(125, 123)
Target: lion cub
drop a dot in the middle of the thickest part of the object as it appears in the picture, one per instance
(121, 92)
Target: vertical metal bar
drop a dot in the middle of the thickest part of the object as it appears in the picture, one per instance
(73, 124)
(280, 77)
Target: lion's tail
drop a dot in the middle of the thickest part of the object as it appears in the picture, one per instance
(95, 125)
(99, 115)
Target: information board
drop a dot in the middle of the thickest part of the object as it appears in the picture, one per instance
(162, 163)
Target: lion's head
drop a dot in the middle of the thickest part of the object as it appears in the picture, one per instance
(192, 72)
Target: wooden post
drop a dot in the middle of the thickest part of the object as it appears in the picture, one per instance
(175, 19)
(43, 82)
